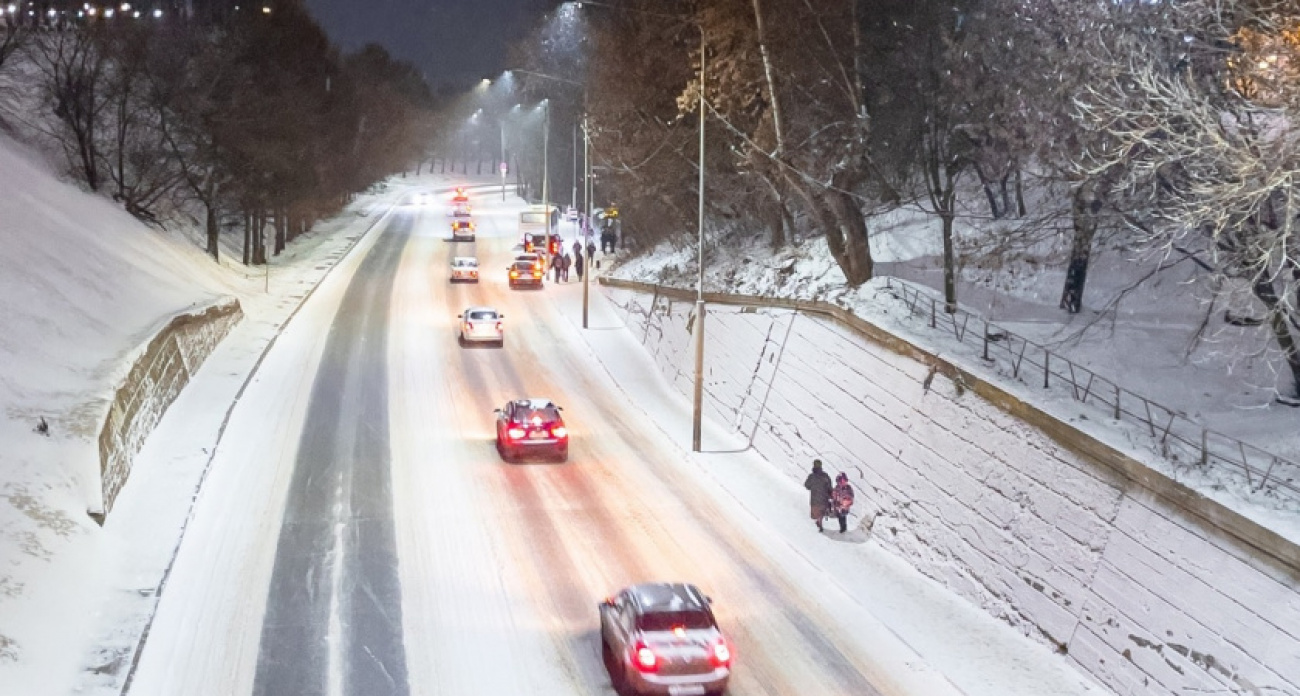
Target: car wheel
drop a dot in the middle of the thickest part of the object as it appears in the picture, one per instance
(460, 339)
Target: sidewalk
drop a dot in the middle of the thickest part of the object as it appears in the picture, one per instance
(929, 640)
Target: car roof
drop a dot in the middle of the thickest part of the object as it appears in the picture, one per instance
(667, 596)
(535, 403)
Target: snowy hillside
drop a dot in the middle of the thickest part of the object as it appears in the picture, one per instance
(83, 286)
(1146, 341)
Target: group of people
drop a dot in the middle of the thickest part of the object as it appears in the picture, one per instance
(827, 499)
(562, 263)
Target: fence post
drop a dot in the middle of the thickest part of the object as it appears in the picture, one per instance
(932, 315)
(986, 340)
(1205, 446)
(1118, 412)
(1047, 368)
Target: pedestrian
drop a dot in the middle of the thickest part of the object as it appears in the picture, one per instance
(606, 242)
(557, 265)
(577, 248)
(565, 262)
(818, 484)
(578, 265)
(591, 249)
(842, 500)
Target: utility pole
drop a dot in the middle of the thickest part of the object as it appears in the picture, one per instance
(697, 413)
(546, 173)
(586, 195)
(502, 165)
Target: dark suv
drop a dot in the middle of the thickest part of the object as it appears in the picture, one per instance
(661, 638)
(531, 427)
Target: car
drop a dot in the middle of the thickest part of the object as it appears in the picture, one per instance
(536, 243)
(528, 427)
(661, 638)
(464, 269)
(420, 198)
(525, 274)
(482, 325)
(462, 231)
(534, 259)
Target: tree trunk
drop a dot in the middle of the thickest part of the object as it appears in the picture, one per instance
(949, 264)
(214, 232)
(281, 230)
(1020, 195)
(1267, 293)
(248, 238)
(1084, 210)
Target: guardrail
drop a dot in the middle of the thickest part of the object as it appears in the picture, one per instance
(1178, 438)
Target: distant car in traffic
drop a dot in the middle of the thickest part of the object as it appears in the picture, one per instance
(662, 639)
(464, 269)
(535, 259)
(531, 427)
(460, 206)
(482, 325)
(420, 198)
(525, 274)
(462, 231)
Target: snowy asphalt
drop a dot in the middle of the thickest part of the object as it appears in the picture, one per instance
(335, 591)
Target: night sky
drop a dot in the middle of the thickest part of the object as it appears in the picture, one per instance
(453, 42)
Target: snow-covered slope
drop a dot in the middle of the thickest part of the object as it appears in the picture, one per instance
(83, 286)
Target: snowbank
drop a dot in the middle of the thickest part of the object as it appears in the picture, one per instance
(1142, 584)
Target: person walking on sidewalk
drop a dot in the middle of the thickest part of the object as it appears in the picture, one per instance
(819, 487)
(565, 262)
(842, 500)
(578, 264)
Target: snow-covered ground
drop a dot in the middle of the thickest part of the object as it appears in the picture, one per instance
(1224, 382)
(83, 287)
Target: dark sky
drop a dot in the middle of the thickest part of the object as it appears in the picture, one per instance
(454, 42)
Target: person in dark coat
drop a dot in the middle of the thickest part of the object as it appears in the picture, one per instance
(557, 265)
(577, 248)
(819, 487)
(578, 264)
(842, 500)
(565, 262)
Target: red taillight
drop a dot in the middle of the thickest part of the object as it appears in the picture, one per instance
(559, 432)
(516, 433)
(644, 658)
(721, 655)
(468, 327)
(498, 326)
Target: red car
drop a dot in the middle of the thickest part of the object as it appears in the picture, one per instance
(529, 427)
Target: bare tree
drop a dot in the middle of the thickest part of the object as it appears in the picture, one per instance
(73, 69)
(1219, 164)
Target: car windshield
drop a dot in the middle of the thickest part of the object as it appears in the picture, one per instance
(668, 620)
(464, 263)
(546, 415)
(482, 315)
(523, 265)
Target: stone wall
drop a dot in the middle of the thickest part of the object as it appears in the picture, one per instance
(1147, 586)
(155, 380)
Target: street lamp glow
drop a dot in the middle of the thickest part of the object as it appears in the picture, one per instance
(157, 13)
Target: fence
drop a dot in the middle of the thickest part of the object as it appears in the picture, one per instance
(1177, 438)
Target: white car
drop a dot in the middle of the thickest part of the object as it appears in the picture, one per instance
(482, 325)
(421, 198)
(464, 269)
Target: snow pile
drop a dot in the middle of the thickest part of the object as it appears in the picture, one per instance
(83, 286)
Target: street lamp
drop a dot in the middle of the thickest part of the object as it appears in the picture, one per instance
(697, 412)
(586, 154)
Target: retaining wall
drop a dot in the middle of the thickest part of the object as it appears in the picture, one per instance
(1145, 585)
(155, 380)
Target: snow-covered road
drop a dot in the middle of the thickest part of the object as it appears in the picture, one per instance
(359, 535)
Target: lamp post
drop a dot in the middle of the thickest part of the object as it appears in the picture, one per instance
(586, 155)
(546, 173)
(696, 415)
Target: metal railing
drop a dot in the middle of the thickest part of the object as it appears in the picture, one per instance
(1174, 436)
(1178, 438)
